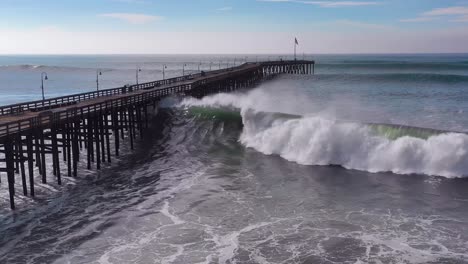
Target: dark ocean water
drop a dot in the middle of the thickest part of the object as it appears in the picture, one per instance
(302, 169)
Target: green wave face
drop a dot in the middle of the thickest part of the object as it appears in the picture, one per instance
(222, 114)
(394, 131)
(226, 114)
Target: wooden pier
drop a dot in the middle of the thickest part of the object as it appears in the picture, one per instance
(58, 130)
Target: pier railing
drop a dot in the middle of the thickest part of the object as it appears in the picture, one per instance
(45, 117)
(75, 98)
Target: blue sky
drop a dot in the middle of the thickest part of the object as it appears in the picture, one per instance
(232, 26)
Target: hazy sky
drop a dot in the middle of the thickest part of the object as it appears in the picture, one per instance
(232, 26)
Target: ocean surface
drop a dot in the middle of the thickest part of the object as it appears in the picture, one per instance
(364, 162)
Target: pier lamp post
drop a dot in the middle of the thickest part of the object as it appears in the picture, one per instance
(234, 62)
(43, 78)
(138, 70)
(220, 64)
(183, 69)
(98, 73)
(199, 64)
(211, 63)
(164, 71)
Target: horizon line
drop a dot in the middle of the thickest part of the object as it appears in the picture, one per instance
(259, 54)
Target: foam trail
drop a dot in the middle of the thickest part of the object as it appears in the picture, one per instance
(318, 140)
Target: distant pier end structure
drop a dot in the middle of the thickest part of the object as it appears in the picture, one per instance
(45, 140)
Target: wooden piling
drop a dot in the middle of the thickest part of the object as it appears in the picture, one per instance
(21, 159)
(10, 168)
(42, 148)
(30, 152)
(97, 141)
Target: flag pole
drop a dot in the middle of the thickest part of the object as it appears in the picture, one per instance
(295, 48)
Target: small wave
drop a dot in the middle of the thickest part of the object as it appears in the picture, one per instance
(396, 77)
(22, 66)
(397, 65)
(29, 67)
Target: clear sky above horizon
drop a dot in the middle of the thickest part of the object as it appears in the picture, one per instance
(232, 26)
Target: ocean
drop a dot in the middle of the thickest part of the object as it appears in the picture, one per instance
(364, 162)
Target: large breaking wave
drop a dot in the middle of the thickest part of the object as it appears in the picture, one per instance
(321, 140)
(318, 141)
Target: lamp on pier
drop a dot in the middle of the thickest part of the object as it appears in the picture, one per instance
(220, 64)
(138, 70)
(183, 69)
(98, 73)
(164, 71)
(43, 78)
(199, 64)
(211, 63)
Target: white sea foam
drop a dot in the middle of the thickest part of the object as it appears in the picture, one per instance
(322, 140)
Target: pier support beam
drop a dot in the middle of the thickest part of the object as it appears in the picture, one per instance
(30, 152)
(10, 169)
